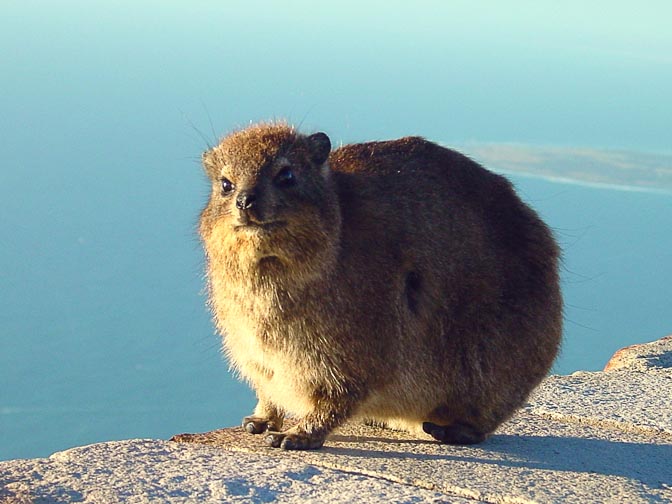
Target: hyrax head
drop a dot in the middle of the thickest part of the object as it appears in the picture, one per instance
(272, 194)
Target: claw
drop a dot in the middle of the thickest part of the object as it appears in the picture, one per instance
(290, 444)
(275, 439)
(257, 425)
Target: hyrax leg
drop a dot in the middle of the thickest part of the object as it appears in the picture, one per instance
(459, 427)
(312, 430)
(457, 433)
(266, 417)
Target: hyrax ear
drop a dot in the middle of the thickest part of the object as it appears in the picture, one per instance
(319, 146)
(208, 164)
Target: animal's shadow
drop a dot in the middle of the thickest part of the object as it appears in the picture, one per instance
(650, 464)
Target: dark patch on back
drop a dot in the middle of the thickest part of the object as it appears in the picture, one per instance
(474, 413)
(466, 363)
(483, 358)
(412, 290)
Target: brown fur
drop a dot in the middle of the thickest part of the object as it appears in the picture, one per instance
(398, 282)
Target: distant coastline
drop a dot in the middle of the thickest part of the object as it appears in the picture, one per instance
(601, 168)
(583, 183)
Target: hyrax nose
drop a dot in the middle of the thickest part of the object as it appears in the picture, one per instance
(245, 200)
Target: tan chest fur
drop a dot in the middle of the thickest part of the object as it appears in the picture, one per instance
(277, 374)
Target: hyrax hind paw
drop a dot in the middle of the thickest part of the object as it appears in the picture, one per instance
(456, 434)
(294, 440)
(259, 425)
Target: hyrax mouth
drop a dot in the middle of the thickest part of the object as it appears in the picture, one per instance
(249, 222)
(254, 226)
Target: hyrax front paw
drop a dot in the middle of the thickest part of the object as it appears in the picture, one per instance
(259, 425)
(295, 439)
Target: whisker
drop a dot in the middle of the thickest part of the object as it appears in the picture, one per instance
(202, 135)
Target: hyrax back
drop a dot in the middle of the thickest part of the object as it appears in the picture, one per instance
(397, 282)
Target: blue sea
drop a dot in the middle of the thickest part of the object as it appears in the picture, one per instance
(106, 107)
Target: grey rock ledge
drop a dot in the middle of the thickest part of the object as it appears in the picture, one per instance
(586, 437)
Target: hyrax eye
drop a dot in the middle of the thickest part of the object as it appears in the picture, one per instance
(285, 177)
(227, 186)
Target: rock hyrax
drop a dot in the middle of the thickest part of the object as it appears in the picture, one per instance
(395, 282)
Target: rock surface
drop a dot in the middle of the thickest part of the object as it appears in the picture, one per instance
(587, 437)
